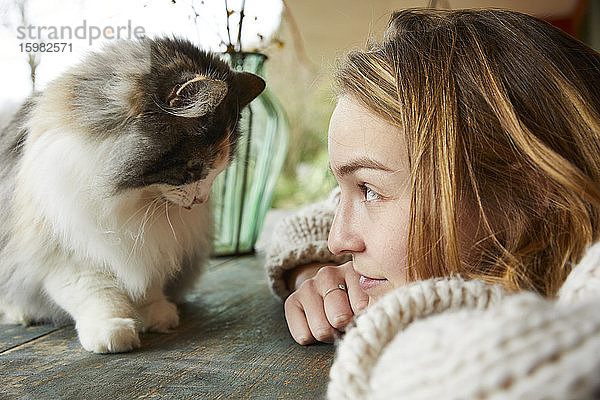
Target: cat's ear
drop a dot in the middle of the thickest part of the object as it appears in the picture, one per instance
(249, 87)
(196, 97)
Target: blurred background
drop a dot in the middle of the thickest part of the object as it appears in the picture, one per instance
(302, 39)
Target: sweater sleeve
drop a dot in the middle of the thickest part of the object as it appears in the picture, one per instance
(367, 341)
(457, 339)
(526, 348)
(299, 239)
(584, 280)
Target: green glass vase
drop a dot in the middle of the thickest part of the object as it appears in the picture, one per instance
(241, 195)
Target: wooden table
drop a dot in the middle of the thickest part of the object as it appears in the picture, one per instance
(232, 344)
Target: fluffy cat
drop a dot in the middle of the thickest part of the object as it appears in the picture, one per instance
(104, 181)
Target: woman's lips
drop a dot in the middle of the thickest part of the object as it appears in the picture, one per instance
(367, 283)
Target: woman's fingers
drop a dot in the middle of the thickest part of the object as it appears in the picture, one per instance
(296, 320)
(359, 300)
(325, 304)
(337, 309)
(319, 325)
(335, 298)
(306, 317)
(296, 276)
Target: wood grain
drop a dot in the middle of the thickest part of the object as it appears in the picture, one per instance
(232, 344)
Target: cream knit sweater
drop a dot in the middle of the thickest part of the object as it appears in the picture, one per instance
(451, 338)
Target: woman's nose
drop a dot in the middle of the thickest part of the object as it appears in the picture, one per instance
(344, 235)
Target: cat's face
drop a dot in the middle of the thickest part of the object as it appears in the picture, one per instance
(196, 192)
(184, 132)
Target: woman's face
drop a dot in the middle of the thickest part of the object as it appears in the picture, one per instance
(369, 160)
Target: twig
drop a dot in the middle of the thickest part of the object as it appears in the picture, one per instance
(197, 16)
(239, 38)
(228, 32)
(32, 58)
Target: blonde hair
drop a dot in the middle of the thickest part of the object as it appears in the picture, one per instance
(501, 113)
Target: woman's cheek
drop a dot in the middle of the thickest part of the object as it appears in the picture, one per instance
(394, 247)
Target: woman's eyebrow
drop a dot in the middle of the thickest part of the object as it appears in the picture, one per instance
(359, 163)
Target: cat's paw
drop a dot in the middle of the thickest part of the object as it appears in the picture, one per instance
(160, 316)
(111, 335)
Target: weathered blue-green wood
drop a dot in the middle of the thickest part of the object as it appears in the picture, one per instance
(15, 335)
(232, 344)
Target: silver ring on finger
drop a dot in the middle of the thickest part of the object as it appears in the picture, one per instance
(340, 287)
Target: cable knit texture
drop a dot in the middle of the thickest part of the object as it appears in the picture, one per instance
(584, 280)
(525, 349)
(451, 338)
(301, 238)
(456, 339)
(363, 345)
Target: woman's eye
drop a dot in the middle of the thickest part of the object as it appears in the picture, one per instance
(370, 195)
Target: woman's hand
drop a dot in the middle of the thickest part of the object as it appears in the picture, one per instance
(316, 313)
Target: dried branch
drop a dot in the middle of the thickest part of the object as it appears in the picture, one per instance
(229, 44)
(239, 38)
(198, 16)
(33, 59)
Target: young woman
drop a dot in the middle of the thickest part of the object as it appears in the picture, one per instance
(466, 146)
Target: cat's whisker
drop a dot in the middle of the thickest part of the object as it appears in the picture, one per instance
(137, 236)
(180, 216)
(169, 221)
(233, 128)
(142, 227)
(154, 198)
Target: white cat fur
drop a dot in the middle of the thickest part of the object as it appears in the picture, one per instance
(89, 255)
